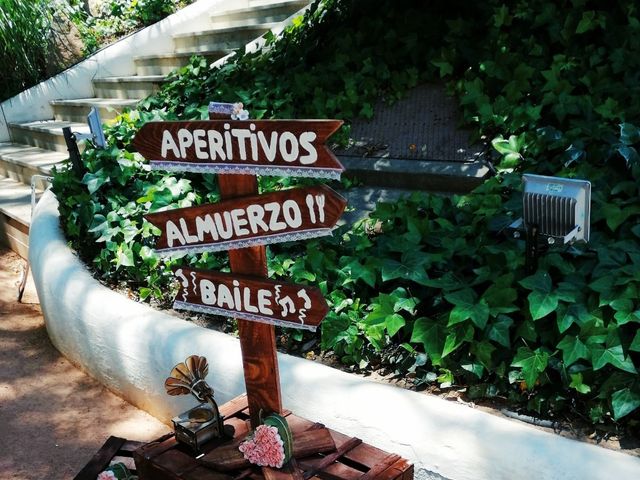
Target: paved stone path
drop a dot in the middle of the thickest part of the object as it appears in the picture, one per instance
(53, 417)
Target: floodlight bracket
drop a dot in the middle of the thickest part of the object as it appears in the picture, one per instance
(556, 211)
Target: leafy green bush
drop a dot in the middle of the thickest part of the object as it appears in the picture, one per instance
(429, 285)
(117, 18)
(25, 44)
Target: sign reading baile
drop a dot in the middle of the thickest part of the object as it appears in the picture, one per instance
(250, 298)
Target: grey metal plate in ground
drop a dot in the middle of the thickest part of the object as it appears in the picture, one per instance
(422, 126)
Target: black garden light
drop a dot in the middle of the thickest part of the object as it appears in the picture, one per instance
(556, 212)
(96, 135)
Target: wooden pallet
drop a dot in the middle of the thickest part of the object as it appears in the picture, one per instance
(114, 450)
(351, 460)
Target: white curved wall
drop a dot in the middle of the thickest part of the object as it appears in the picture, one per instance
(131, 349)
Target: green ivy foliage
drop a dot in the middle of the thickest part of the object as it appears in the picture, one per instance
(430, 285)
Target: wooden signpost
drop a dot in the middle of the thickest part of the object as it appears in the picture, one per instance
(243, 223)
(293, 148)
(282, 216)
(250, 298)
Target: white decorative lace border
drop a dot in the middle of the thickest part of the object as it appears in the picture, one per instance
(250, 242)
(242, 169)
(180, 305)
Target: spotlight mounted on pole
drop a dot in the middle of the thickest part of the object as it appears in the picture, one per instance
(556, 212)
(96, 135)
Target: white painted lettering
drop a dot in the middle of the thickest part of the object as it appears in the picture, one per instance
(168, 143)
(290, 153)
(256, 215)
(264, 302)
(225, 297)
(224, 226)
(173, 234)
(185, 140)
(206, 225)
(207, 292)
(241, 134)
(274, 224)
(305, 143)
(215, 145)
(269, 148)
(199, 144)
(247, 301)
(292, 213)
(239, 221)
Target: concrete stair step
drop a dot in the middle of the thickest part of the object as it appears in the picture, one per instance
(128, 87)
(425, 175)
(15, 215)
(165, 64)
(220, 39)
(20, 162)
(78, 109)
(274, 12)
(46, 134)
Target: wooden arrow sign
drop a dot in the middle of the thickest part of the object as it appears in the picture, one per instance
(264, 219)
(250, 298)
(293, 148)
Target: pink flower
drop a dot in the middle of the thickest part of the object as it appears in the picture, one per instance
(265, 448)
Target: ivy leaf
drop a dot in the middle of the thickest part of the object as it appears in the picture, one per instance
(630, 155)
(542, 304)
(356, 271)
(532, 362)
(539, 282)
(411, 267)
(629, 134)
(94, 181)
(432, 335)
(635, 343)
(624, 402)
(498, 330)
(483, 351)
(614, 355)
(567, 316)
(572, 349)
(467, 307)
(587, 22)
(445, 67)
(576, 383)
(457, 336)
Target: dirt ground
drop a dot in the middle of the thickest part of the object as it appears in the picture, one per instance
(53, 417)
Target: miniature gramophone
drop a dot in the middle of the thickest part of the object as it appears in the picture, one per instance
(203, 422)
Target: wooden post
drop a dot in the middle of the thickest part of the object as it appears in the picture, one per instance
(257, 340)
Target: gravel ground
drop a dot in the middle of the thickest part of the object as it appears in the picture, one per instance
(53, 417)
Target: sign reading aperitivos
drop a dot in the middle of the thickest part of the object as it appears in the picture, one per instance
(264, 219)
(250, 298)
(294, 148)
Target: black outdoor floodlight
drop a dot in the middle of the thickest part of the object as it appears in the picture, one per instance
(556, 211)
(96, 136)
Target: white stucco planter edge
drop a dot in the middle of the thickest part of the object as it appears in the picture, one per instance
(131, 348)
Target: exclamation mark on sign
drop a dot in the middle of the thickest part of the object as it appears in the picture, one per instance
(311, 203)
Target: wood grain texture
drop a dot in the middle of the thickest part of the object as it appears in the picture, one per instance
(313, 211)
(305, 443)
(257, 340)
(158, 461)
(279, 144)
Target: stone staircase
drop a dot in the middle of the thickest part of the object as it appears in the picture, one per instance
(37, 146)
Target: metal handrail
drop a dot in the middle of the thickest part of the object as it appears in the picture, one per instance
(25, 272)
